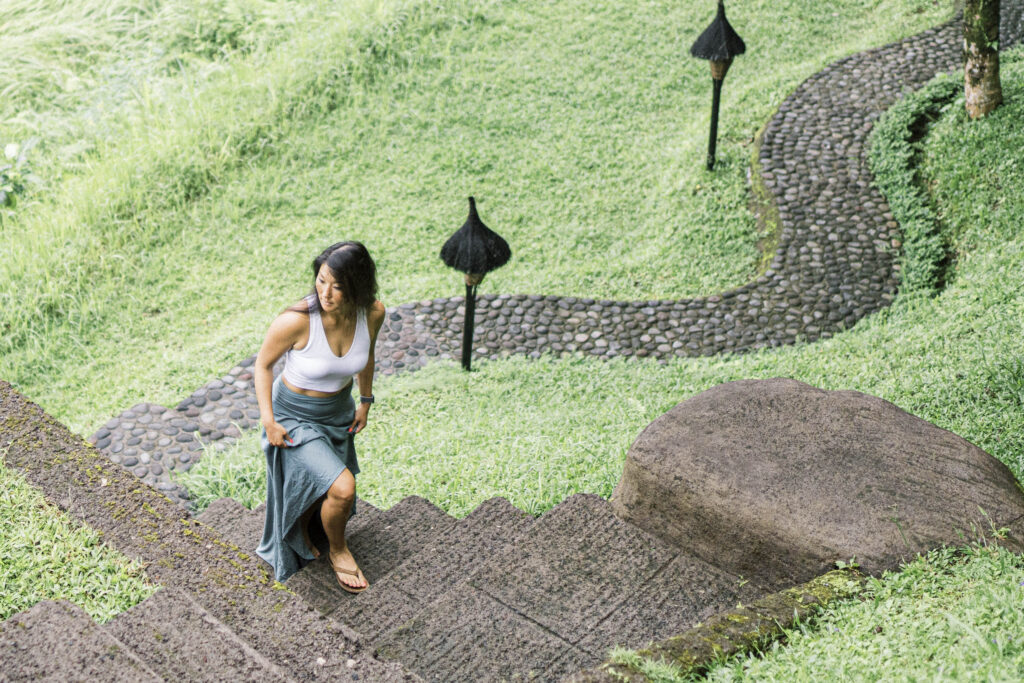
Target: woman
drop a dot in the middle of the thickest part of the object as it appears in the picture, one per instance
(308, 415)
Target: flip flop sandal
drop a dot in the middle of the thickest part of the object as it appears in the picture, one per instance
(357, 572)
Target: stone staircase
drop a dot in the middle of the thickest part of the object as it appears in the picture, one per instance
(169, 636)
(498, 595)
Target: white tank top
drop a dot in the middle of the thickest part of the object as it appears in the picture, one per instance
(315, 367)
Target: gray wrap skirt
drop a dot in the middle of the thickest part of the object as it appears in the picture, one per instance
(298, 475)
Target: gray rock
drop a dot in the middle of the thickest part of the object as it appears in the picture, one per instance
(777, 480)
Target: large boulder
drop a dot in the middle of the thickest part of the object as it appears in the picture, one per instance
(777, 480)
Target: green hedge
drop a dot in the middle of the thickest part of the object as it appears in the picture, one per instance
(894, 148)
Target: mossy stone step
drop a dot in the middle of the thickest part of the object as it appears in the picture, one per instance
(223, 514)
(380, 541)
(178, 551)
(441, 565)
(235, 523)
(180, 640)
(58, 641)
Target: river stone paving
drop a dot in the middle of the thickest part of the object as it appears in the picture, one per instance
(835, 262)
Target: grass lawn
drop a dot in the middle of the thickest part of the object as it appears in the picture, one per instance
(537, 431)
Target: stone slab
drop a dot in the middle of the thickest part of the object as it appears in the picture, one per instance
(574, 567)
(469, 636)
(222, 513)
(380, 542)
(247, 529)
(181, 641)
(777, 480)
(404, 529)
(686, 592)
(315, 582)
(58, 641)
(441, 565)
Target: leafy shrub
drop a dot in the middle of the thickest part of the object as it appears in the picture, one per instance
(894, 148)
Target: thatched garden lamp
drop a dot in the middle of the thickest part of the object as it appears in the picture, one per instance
(719, 43)
(476, 250)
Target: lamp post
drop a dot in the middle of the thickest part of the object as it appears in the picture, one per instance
(719, 43)
(476, 250)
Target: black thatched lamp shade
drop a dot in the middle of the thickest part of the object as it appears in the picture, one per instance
(476, 250)
(719, 44)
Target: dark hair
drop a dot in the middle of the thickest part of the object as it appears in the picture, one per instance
(353, 269)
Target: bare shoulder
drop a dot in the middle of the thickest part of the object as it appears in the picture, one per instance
(288, 329)
(289, 324)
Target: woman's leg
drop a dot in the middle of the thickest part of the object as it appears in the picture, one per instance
(304, 524)
(334, 514)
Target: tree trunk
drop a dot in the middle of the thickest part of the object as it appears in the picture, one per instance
(982, 90)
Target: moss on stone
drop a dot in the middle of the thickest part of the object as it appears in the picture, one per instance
(763, 206)
(738, 630)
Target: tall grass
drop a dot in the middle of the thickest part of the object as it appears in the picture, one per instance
(218, 146)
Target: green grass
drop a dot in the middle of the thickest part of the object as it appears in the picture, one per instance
(194, 160)
(47, 556)
(951, 615)
(537, 431)
(236, 472)
(895, 151)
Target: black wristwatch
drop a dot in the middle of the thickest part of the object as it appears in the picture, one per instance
(366, 399)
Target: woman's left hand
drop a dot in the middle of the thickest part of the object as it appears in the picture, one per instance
(362, 412)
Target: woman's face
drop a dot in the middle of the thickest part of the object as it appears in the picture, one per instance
(327, 290)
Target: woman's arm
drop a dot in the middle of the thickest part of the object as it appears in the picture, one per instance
(283, 334)
(374, 320)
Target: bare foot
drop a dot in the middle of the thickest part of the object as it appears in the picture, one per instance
(347, 571)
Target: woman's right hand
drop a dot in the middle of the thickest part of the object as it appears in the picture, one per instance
(277, 436)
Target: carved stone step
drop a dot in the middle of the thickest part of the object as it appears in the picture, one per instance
(380, 541)
(181, 641)
(58, 641)
(441, 565)
(554, 600)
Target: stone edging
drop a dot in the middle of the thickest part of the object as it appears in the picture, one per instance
(835, 262)
(735, 631)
